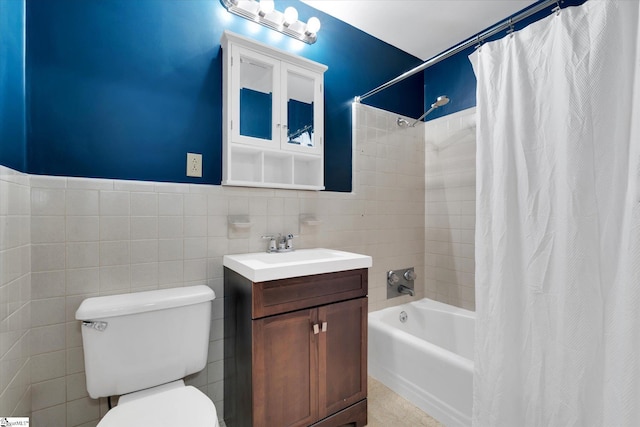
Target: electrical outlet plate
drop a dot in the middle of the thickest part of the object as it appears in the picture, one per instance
(194, 165)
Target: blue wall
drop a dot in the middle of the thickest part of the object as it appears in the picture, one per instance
(12, 96)
(124, 89)
(454, 76)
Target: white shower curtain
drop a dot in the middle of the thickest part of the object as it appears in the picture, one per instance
(558, 222)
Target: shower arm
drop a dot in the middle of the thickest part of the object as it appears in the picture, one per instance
(433, 107)
(440, 101)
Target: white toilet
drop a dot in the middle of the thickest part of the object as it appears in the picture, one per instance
(140, 346)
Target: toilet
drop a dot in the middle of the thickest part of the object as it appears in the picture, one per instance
(140, 346)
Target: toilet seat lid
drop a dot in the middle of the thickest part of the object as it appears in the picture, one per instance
(183, 406)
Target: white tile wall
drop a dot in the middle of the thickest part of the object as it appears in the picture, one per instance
(86, 237)
(450, 163)
(387, 218)
(15, 294)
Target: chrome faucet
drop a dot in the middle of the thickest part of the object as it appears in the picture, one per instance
(401, 282)
(402, 289)
(280, 243)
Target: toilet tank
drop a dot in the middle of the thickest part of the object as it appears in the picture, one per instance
(140, 340)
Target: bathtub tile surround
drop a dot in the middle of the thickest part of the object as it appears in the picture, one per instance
(81, 237)
(450, 163)
(15, 294)
(390, 178)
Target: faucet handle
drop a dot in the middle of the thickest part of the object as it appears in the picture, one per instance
(289, 244)
(392, 278)
(272, 243)
(410, 274)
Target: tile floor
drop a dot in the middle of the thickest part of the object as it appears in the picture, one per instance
(387, 409)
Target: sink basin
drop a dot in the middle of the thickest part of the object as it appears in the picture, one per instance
(263, 266)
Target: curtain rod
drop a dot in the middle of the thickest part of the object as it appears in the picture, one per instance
(508, 23)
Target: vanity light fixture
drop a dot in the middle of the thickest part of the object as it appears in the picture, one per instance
(313, 26)
(266, 7)
(290, 16)
(264, 13)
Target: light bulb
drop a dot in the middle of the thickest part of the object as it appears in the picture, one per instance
(266, 7)
(290, 15)
(313, 25)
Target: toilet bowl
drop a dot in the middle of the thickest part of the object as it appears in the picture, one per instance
(140, 346)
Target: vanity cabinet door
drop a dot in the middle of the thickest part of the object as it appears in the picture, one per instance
(343, 355)
(284, 374)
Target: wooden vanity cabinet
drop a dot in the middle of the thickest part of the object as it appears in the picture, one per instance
(296, 351)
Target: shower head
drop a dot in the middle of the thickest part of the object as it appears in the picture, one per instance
(440, 101)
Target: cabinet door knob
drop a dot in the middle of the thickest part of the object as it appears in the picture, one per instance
(316, 329)
(324, 326)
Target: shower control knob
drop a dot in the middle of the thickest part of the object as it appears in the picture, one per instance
(392, 278)
(410, 275)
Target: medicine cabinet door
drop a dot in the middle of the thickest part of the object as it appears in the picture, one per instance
(255, 99)
(303, 108)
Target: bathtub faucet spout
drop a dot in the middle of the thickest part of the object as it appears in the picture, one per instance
(402, 289)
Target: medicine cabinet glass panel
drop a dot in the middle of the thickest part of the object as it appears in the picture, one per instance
(256, 98)
(300, 97)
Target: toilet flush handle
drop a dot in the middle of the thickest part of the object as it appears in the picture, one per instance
(97, 325)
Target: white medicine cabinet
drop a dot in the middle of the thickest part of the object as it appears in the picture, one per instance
(273, 117)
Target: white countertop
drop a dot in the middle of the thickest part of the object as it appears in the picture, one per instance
(263, 266)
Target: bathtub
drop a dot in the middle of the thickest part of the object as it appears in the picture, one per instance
(428, 359)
